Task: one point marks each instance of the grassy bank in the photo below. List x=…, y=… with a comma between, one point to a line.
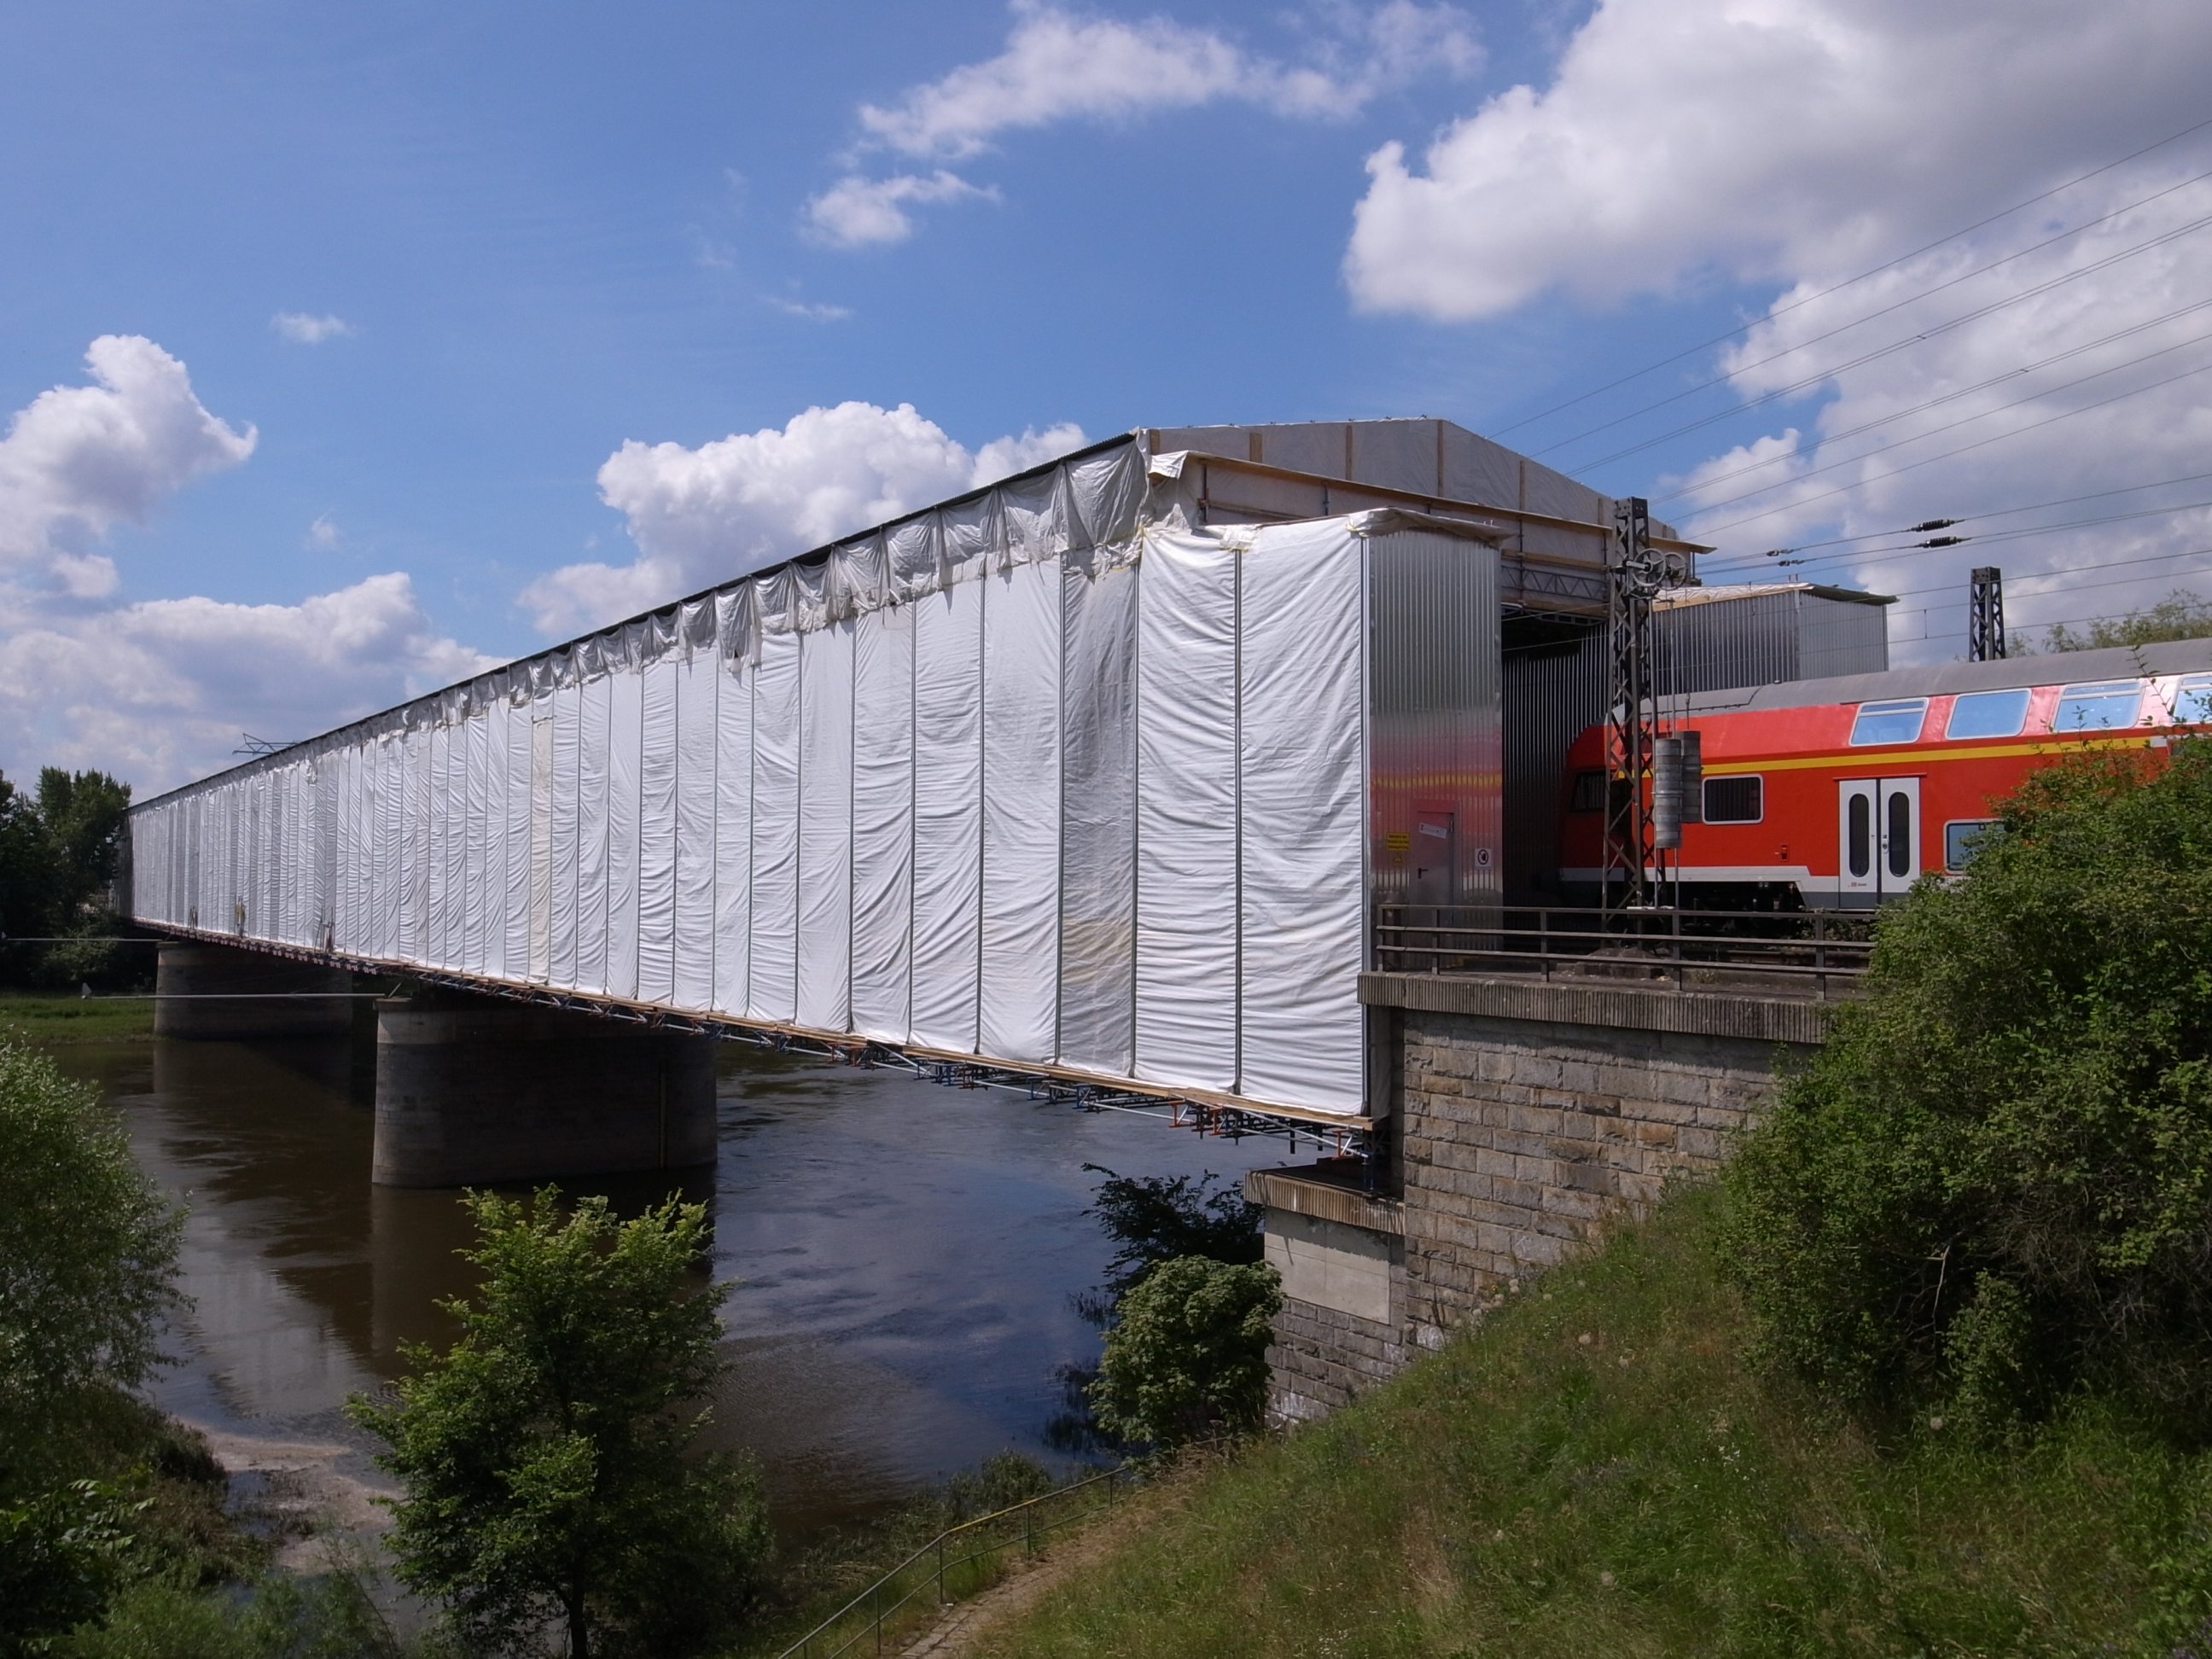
x=1596, y=1471
x=53, y=1021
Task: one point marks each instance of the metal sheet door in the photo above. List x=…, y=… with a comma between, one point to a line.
x=1436, y=865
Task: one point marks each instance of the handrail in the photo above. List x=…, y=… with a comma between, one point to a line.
x=1439, y=938
x=804, y=1648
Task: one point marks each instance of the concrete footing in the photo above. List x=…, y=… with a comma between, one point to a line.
x=219, y=993
x=472, y=1090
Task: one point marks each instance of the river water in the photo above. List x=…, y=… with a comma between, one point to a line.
x=903, y=1256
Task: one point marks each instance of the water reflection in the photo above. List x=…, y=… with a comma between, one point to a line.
x=902, y=1255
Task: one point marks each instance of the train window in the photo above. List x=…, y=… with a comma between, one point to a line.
x=2192, y=700
x=1589, y=792
x=1734, y=800
x=1888, y=722
x=1963, y=838
x=1898, y=839
x=2102, y=703
x=1988, y=714
x=1860, y=818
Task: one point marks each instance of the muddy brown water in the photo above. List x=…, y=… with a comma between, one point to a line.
x=902, y=1256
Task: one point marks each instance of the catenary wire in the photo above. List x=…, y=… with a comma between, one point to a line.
x=1828, y=438
x=1850, y=282
x=1905, y=549
x=1914, y=299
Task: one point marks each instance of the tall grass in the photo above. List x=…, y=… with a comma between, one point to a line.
x=1594, y=1471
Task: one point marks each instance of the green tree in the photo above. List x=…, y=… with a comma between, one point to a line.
x=28, y=882
x=88, y=1245
x=1156, y=1218
x=545, y=1454
x=1188, y=1358
x=83, y=815
x=2179, y=615
x=1994, y=1184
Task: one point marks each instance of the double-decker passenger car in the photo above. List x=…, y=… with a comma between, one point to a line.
x=1842, y=792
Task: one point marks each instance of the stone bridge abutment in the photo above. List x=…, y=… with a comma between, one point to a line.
x=1527, y=1116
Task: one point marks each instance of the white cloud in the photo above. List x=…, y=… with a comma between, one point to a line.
x=161, y=690
x=704, y=515
x=858, y=212
x=1059, y=66
x=323, y=535
x=2091, y=385
x=304, y=328
x=84, y=575
x=79, y=460
x=1764, y=138
x=812, y=311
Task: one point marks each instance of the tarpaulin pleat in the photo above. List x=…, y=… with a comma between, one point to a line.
x=443, y=827
x=733, y=839
x=948, y=814
x=825, y=828
x=565, y=794
x=1186, y=814
x=692, y=940
x=544, y=771
x=522, y=842
x=656, y=835
x=1098, y=838
x=625, y=782
x=480, y=887
x=594, y=803
x=1020, y=957
x=1303, y=791
x=883, y=823
x=774, y=992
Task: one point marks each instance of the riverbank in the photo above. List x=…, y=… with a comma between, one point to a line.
x=49, y=1021
x=1597, y=1470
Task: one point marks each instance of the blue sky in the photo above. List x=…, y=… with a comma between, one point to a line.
x=442, y=264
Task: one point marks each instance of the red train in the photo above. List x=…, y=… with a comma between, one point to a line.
x=1842, y=792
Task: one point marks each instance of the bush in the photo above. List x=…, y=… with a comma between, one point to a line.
x=87, y=1246
x=1188, y=1358
x=544, y=1454
x=1994, y=1185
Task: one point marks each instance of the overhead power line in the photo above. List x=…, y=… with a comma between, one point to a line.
x=1963, y=449
x=1852, y=282
x=1915, y=298
x=1828, y=438
x=1785, y=557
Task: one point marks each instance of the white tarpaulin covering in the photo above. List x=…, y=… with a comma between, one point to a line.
x=1025, y=778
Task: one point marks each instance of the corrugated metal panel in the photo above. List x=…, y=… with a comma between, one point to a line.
x=1551, y=693
x=1837, y=636
x=1433, y=732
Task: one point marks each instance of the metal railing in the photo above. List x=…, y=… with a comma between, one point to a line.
x=956, y=1563
x=1811, y=949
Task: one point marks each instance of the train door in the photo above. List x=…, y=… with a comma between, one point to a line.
x=1435, y=859
x=1877, y=838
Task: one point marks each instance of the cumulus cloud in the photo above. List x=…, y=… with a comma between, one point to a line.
x=858, y=211
x=323, y=535
x=79, y=460
x=1761, y=139
x=704, y=515
x=304, y=328
x=1060, y=65
x=159, y=691
x=2081, y=369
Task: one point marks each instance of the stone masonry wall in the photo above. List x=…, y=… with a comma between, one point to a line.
x=1527, y=1116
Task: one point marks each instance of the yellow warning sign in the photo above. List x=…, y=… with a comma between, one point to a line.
x=1397, y=839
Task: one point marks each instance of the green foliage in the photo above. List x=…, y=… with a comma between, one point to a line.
x=2179, y=615
x=57, y=857
x=63, y=1551
x=1187, y=1360
x=1156, y=1218
x=86, y=1247
x=1994, y=1185
x=1593, y=1469
x=276, y=1617
x=544, y=1454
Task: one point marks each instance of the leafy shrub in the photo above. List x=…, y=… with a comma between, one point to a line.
x=545, y=1454
x=1188, y=1358
x=1994, y=1184
x=87, y=1246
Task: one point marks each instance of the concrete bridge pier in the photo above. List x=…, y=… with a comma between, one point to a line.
x=219, y=993
x=473, y=1089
